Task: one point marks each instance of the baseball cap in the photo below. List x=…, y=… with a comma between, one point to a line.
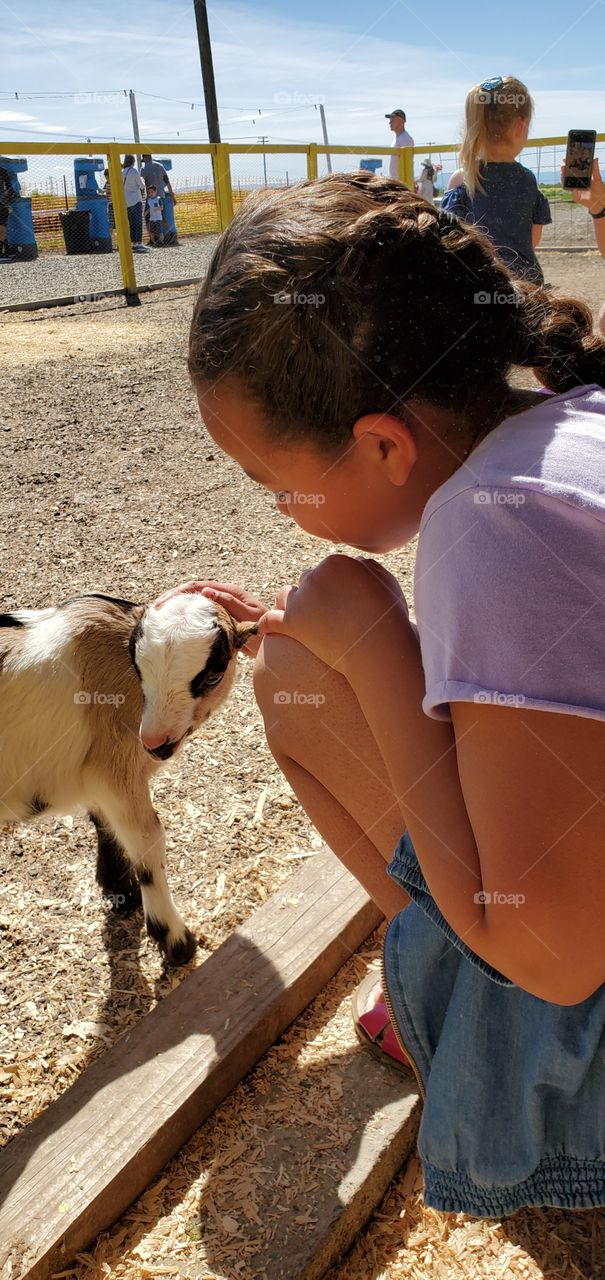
x=397, y=112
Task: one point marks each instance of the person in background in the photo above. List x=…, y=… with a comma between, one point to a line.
x=155, y=175
x=501, y=196
x=396, y=121
x=594, y=201
x=155, y=205
x=134, y=191
x=6, y=195
x=425, y=186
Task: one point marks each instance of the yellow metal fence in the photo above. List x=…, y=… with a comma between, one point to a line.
x=220, y=196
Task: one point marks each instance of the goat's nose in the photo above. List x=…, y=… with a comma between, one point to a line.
x=151, y=741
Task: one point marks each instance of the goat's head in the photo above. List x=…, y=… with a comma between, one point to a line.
x=184, y=654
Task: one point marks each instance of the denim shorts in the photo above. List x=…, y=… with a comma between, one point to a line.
x=514, y=1086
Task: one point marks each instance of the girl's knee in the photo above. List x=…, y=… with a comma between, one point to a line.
x=289, y=684
x=281, y=665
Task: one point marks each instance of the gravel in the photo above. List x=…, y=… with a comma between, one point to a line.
x=84, y=276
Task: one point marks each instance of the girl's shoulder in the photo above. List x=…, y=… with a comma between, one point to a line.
x=553, y=450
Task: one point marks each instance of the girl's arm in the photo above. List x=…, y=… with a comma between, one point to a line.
x=505, y=811
x=536, y=234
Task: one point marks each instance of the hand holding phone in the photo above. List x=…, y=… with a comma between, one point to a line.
x=578, y=159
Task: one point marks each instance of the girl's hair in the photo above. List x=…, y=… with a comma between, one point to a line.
x=351, y=295
x=489, y=116
x=127, y=162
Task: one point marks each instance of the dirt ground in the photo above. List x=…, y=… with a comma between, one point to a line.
x=111, y=484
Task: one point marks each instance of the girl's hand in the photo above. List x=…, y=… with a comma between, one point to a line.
x=594, y=198
x=334, y=606
x=241, y=604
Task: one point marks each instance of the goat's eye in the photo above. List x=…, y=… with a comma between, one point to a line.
x=204, y=680
x=210, y=681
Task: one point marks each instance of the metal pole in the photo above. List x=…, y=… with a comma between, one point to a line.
x=135, y=118
x=324, y=129
x=264, y=138
x=203, y=37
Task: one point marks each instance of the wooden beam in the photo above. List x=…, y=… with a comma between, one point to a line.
x=79, y=1165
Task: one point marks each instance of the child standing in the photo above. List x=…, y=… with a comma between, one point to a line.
x=155, y=207
x=497, y=193
x=456, y=766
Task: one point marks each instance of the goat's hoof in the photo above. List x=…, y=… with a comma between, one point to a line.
x=176, y=950
x=182, y=950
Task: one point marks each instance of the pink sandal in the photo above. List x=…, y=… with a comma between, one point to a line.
x=373, y=1024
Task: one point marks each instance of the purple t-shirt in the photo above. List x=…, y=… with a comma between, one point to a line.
x=509, y=589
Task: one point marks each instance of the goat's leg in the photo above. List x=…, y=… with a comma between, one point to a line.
x=137, y=828
x=115, y=874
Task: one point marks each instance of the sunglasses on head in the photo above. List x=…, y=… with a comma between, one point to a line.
x=495, y=82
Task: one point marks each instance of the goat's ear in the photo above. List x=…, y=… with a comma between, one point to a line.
x=242, y=632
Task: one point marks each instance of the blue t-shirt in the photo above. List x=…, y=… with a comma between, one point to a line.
x=511, y=205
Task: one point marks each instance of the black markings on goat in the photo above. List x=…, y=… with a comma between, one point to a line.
x=9, y=620
x=218, y=660
x=135, y=636
x=37, y=805
x=126, y=605
x=145, y=875
x=156, y=930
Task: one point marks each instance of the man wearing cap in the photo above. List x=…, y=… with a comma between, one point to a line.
x=396, y=121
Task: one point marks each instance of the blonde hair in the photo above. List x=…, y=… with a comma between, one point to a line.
x=489, y=117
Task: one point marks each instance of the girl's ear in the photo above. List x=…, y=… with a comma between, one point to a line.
x=387, y=441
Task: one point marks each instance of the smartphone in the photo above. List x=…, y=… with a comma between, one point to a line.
x=579, y=157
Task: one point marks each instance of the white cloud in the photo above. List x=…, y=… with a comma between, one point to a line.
x=6, y=116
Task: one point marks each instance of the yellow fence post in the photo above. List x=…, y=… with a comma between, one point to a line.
x=405, y=166
x=223, y=190
x=118, y=200
x=312, y=162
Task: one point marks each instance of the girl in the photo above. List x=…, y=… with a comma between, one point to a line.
x=479, y=734
x=495, y=192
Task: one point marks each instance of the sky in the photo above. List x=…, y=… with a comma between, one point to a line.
x=276, y=60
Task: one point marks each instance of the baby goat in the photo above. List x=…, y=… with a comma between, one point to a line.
x=94, y=694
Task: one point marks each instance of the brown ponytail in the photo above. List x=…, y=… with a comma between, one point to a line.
x=352, y=295
x=557, y=340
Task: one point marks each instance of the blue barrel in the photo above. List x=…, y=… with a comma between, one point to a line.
x=371, y=165
x=89, y=199
x=20, y=235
